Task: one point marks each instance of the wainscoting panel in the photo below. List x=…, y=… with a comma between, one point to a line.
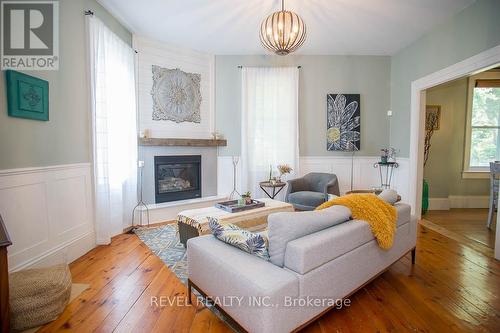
x=48, y=214
x=364, y=175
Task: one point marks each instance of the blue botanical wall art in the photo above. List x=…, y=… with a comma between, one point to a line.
x=343, y=122
x=27, y=96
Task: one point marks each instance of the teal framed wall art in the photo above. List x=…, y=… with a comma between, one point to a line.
x=27, y=96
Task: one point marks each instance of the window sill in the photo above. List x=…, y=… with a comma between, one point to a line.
x=475, y=174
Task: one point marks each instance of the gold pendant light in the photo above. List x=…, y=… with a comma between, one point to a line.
x=282, y=32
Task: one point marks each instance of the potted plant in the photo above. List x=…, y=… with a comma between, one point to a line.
x=283, y=169
x=247, y=198
x=384, y=154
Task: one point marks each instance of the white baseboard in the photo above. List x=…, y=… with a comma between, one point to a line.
x=439, y=204
x=459, y=201
x=48, y=212
x=472, y=201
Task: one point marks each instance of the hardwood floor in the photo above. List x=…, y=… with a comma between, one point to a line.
x=452, y=288
x=467, y=222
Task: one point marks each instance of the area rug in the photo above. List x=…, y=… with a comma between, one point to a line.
x=164, y=242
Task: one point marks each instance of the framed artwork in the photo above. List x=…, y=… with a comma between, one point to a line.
x=432, y=117
x=27, y=96
x=343, y=113
x=176, y=95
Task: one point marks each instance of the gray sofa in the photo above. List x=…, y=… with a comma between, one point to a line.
x=310, y=191
x=319, y=255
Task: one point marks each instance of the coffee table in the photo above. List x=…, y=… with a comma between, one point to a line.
x=194, y=222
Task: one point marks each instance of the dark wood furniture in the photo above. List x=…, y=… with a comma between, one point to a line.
x=277, y=187
x=4, y=278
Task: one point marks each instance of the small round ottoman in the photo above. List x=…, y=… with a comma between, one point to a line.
x=38, y=296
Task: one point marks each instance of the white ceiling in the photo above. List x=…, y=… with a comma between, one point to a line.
x=376, y=27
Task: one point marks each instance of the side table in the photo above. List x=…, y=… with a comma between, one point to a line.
x=276, y=188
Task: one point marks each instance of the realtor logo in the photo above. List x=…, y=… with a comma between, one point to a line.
x=30, y=35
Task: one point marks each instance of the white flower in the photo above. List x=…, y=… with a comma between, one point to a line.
x=341, y=123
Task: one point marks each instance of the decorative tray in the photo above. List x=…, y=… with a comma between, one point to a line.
x=232, y=206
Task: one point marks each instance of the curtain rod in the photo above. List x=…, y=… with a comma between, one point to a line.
x=240, y=66
x=88, y=12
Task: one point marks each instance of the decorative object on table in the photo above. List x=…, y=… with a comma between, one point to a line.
x=383, y=155
x=432, y=123
x=247, y=198
x=27, y=96
x=176, y=95
x=283, y=169
x=312, y=190
x=343, y=122
x=234, y=193
x=140, y=205
x=270, y=172
x=275, y=185
x=286, y=25
x=233, y=206
x=385, y=181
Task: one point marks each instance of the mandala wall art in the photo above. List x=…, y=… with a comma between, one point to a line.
x=176, y=95
x=343, y=122
x=27, y=96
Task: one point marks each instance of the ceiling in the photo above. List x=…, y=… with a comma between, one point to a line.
x=375, y=27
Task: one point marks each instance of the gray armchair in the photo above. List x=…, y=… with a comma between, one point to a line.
x=312, y=190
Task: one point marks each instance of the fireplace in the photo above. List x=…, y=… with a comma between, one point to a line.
x=177, y=177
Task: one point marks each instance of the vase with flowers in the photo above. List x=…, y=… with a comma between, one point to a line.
x=283, y=170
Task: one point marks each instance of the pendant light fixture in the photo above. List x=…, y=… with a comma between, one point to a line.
x=282, y=32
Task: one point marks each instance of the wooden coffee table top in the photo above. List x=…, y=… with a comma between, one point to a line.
x=198, y=218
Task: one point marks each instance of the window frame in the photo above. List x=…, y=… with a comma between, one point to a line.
x=474, y=172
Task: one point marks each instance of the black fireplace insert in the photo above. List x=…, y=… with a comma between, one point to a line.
x=177, y=177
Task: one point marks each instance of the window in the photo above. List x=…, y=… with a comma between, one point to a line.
x=483, y=119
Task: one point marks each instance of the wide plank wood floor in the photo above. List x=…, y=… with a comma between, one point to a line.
x=452, y=288
x=467, y=222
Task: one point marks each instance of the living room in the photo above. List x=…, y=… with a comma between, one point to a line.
x=157, y=155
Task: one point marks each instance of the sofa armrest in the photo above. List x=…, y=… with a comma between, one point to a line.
x=223, y=271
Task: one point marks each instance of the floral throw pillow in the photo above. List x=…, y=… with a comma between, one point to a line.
x=245, y=240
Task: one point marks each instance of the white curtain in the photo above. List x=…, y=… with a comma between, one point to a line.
x=114, y=132
x=269, y=124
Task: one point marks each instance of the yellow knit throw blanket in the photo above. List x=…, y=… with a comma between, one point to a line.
x=380, y=215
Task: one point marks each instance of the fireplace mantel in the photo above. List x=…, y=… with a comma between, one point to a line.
x=182, y=142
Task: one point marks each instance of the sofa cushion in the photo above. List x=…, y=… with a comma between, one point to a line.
x=306, y=198
x=253, y=243
x=284, y=227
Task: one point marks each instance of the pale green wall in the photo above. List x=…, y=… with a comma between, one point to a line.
x=65, y=138
x=475, y=29
x=319, y=75
x=444, y=166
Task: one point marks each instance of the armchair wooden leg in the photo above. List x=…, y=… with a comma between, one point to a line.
x=413, y=255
